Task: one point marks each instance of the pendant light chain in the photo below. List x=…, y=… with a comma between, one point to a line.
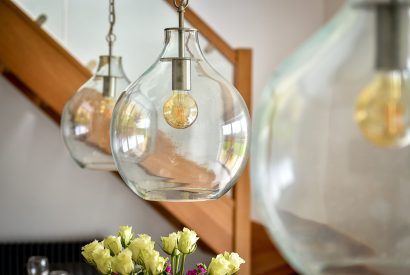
x=110, y=36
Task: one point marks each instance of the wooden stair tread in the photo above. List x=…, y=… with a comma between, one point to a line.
x=266, y=259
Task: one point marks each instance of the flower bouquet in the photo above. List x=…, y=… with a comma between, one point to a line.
x=127, y=254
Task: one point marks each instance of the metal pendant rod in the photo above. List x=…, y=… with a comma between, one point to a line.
x=109, y=81
x=181, y=66
x=181, y=24
x=392, y=20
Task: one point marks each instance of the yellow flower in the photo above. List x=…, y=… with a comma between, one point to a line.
x=169, y=244
x=153, y=262
x=103, y=261
x=122, y=263
x=187, y=241
x=219, y=266
x=114, y=244
x=234, y=261
x=139, y=244
x=87, y=250
x=125, y=233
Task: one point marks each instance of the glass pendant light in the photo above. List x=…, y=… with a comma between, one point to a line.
x=330, y=163
x=86, y=118
x=181, y=131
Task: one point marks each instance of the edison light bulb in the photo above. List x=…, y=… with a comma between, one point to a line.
x=180, y=110
x=382, y=109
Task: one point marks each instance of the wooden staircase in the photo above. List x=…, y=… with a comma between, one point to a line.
x=49, y=75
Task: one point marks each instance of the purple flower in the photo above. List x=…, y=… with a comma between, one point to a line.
x=168, y=268
x=201, y=268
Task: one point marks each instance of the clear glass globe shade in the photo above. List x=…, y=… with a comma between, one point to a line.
x=86, y=119
x=334, y=200
x=201, y=158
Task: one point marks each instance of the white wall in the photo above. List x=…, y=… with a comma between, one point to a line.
x=268, y=27
x=45, y=196
x=272, y=28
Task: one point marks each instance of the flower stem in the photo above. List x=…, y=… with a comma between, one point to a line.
x=173, y=264
x=177, y=271
x=183, y=264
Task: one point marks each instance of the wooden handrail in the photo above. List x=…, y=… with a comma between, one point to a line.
x=209, y=34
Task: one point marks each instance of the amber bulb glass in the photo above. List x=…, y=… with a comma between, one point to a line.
x=180, y=110
x=382, y=110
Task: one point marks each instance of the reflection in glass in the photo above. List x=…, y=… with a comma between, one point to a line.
x=87, y=116
x=196, y=160
x=37, y=265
